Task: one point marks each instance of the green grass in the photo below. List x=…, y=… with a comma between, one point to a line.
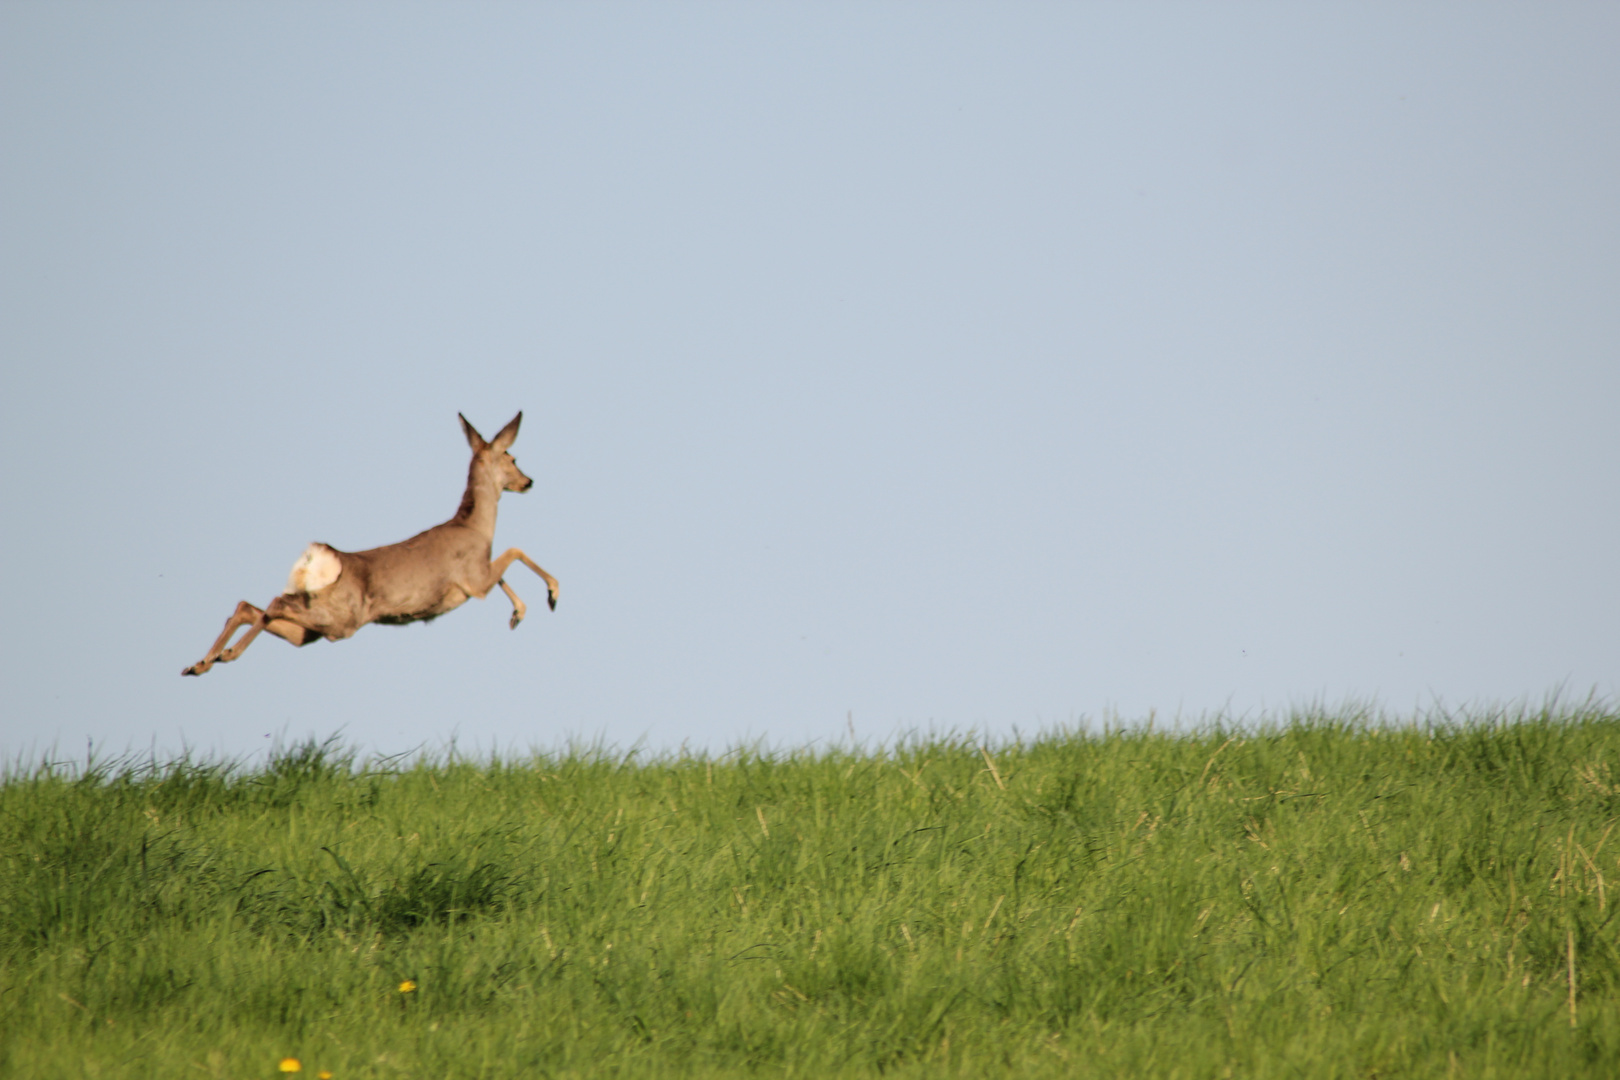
x=1327, y=897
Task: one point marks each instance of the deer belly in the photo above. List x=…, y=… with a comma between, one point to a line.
x=426, y=611
x=452, y=599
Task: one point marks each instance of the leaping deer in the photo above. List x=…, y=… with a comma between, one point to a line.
x=331, y=593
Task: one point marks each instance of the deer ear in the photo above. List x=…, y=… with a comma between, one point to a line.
x=504, y=438
x=474, y=440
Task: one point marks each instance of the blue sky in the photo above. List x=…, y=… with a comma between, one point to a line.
x=892, y=366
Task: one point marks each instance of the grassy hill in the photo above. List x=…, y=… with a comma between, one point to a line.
x=1325, y=897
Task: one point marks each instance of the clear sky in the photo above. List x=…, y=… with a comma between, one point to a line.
x=895, y=366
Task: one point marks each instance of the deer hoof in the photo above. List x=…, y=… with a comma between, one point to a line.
x=195, y=669
x=516, y=618
x=551, y=601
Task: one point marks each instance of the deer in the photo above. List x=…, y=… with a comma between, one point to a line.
x=331, y=594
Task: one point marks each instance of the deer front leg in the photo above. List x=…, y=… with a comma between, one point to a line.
x=519, y=608
x=498, y=568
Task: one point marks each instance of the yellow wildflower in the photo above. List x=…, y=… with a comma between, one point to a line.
x=408, y=986
x=324, y=1074
x=291, y=1065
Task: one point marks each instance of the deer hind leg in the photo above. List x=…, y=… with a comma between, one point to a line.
x=244, y=615
x=256, y=620
x=498, y=568
x=285, y=629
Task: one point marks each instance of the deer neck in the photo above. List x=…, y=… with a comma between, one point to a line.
x=479, y=501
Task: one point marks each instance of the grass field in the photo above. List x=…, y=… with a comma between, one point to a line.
x=1325, y=897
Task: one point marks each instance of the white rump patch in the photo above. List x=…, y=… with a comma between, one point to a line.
x=315, y=569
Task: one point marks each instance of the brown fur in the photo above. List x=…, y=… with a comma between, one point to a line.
x=414, y=580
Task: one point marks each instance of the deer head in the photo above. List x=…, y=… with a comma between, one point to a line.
x=493, y=458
